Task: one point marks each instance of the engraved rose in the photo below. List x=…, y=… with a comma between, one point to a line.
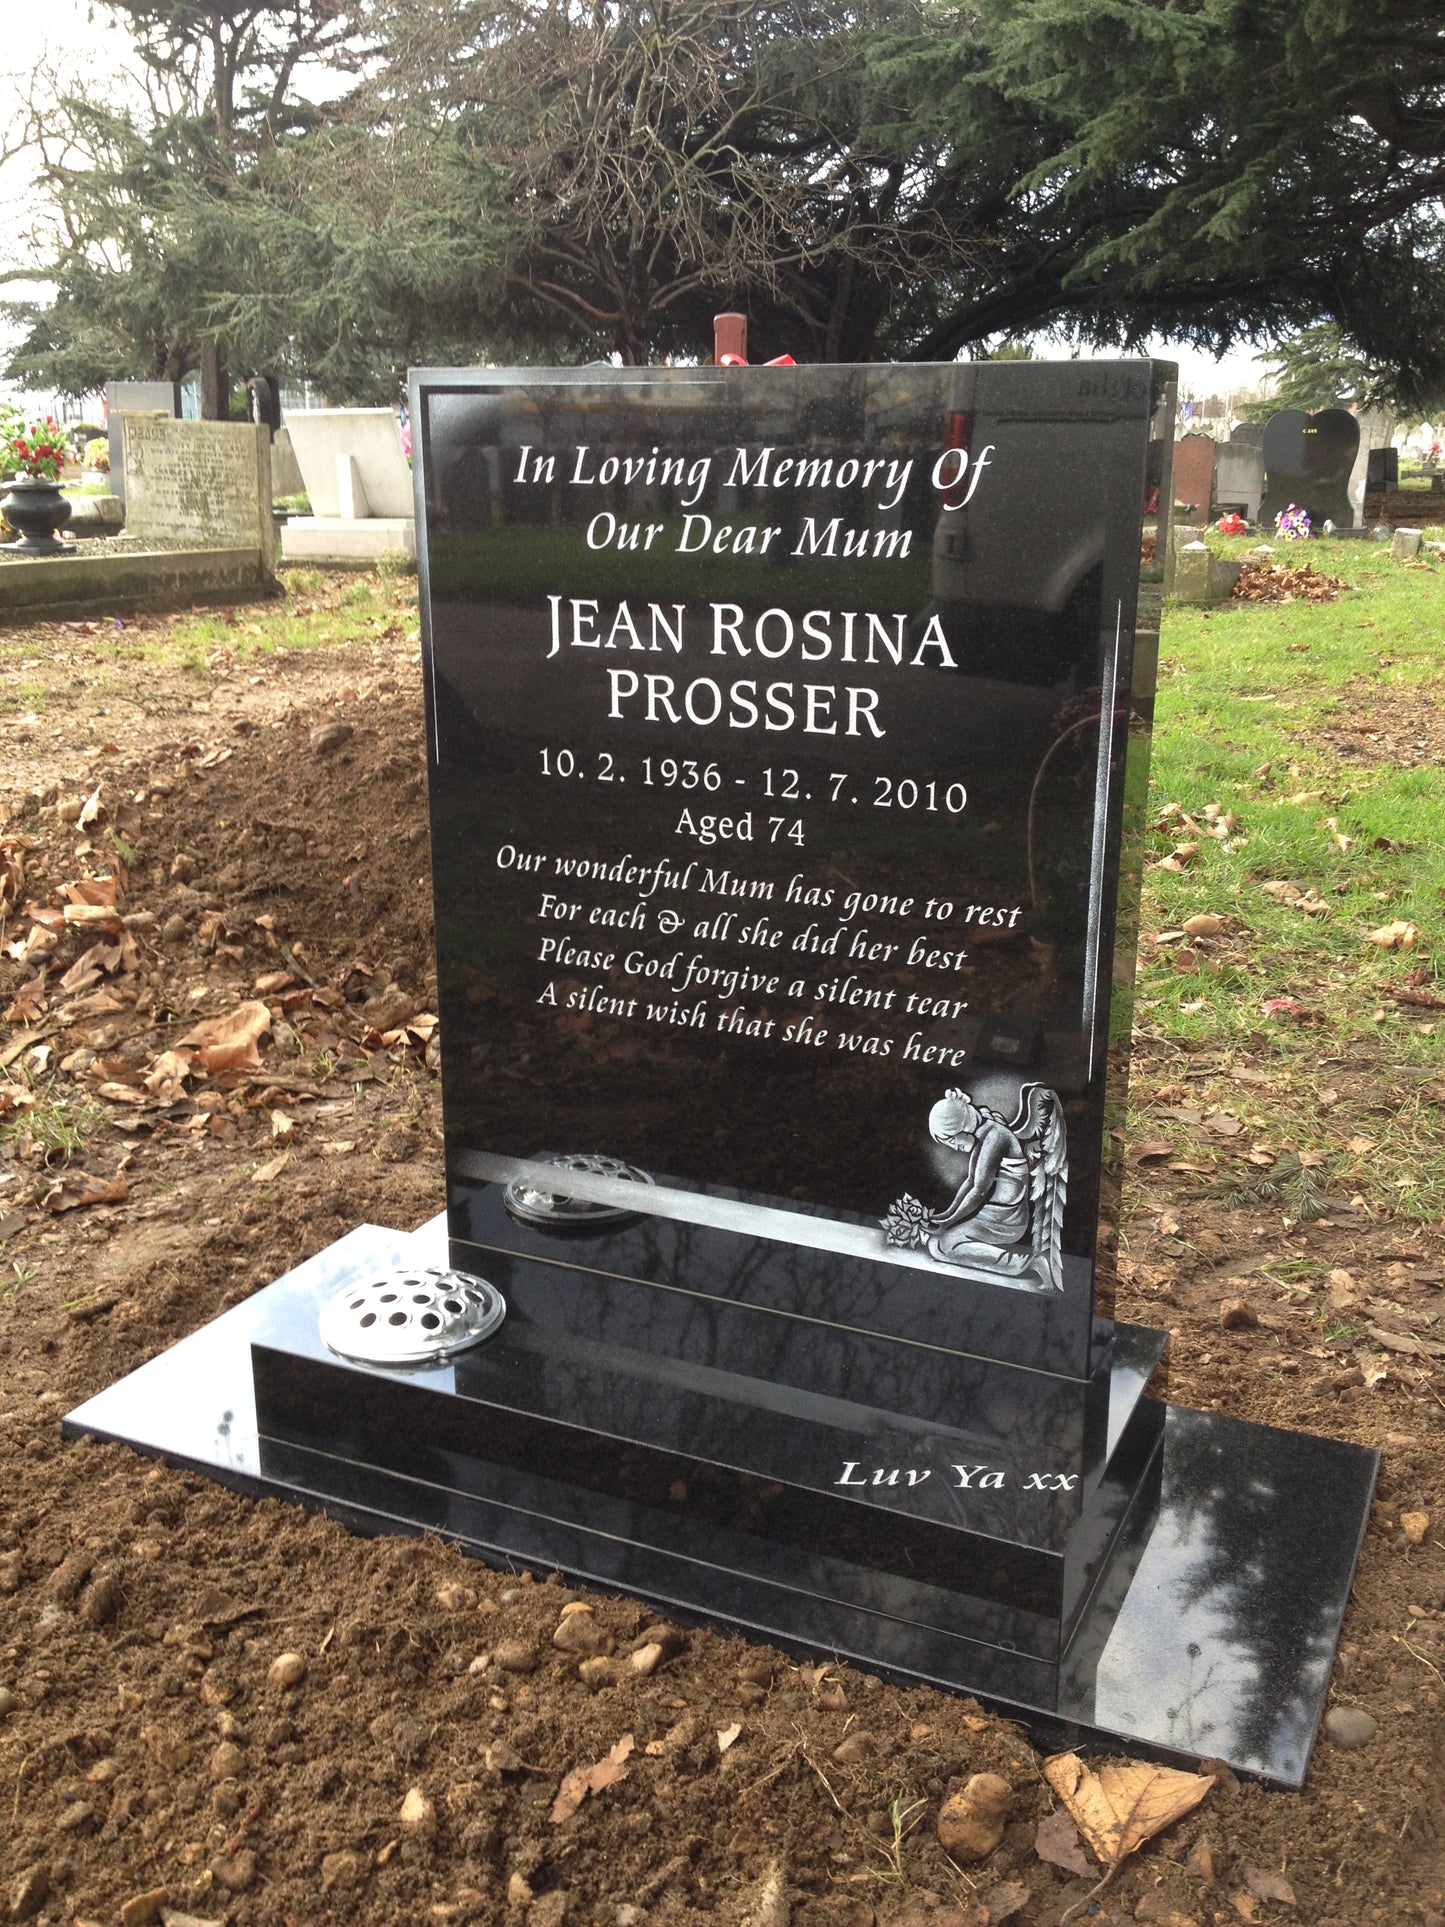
x=907, y=1222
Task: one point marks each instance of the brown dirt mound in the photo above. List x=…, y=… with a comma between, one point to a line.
x=144, y=1745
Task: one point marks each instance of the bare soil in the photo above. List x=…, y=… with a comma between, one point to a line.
x=151, y=1762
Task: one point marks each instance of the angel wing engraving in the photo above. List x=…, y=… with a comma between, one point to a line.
x=1005, y=1219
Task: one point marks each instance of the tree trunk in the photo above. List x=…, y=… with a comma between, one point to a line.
x=215, y=386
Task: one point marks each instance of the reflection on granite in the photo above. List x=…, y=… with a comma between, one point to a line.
x=1199, y=1616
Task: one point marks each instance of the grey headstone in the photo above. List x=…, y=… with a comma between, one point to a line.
x=135, y=398
x=1405, y=545
x=202, y=481
x=1239, y=477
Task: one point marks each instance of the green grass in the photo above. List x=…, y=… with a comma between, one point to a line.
x=314, y=611
x=1318, y=667
x=56, y=1125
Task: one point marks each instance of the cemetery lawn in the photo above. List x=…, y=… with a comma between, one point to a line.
x=260, y=772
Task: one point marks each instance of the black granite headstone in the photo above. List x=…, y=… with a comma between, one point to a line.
x=1308, y=460
x=788, y=734
x=1382, y=471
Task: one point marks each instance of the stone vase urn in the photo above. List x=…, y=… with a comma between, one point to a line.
x=34, y=506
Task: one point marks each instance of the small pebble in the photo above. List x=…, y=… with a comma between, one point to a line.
x=228, y=1762
x=101, y=1599
x=1237, y=1314
x=343, y=1870
x=417, y=1812
x=234, y=1871
x=514, y=1656
x=286, y=1670
x=580, y=1633
x=1415, y=1525
x=30, y=1893
x=971, y=1823
x=453, y=1598
x=1350, y=1727
x=330, y=736
x=141, y=1908
x=518, y=1892
x=8, y=1702
x=857, y=1748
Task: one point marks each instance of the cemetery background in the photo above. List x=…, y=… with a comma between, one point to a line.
x=272, y=800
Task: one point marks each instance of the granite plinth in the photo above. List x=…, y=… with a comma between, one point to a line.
x=1183, y=1597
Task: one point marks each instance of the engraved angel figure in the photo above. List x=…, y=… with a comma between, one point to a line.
x=1005, y=1217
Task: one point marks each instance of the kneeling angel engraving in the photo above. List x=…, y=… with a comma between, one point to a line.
x=1004, y=1220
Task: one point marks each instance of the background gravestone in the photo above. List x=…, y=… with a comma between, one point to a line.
x=359, y=484
x=371, y=440
x=1308, y=460
x=135, y=397
x=1239, y=476
x=1194, y=476
x=200, y=482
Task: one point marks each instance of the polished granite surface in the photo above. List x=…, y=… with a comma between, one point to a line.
x=787, y=743
x=1210, y=1630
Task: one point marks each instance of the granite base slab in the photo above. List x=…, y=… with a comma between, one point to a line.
x=1209, y=1629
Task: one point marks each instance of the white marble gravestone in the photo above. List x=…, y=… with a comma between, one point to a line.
x=359, y=482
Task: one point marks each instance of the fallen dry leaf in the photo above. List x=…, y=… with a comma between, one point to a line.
x=1002, y=1902
x=86, y=1190
x=1154, y=1147
x=1395, y=935
x=240, y=1026
x=583, y=1780
x=1120, y=1807
x=272, y=1168
x=1276, y=582
x=1057, y=1842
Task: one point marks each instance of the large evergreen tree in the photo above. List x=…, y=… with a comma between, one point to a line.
x=909, y=178
x=147, y=226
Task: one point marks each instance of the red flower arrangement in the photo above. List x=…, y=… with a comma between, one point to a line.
x=35, y=448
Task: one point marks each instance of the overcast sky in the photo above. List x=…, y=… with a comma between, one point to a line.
x=93, y=51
